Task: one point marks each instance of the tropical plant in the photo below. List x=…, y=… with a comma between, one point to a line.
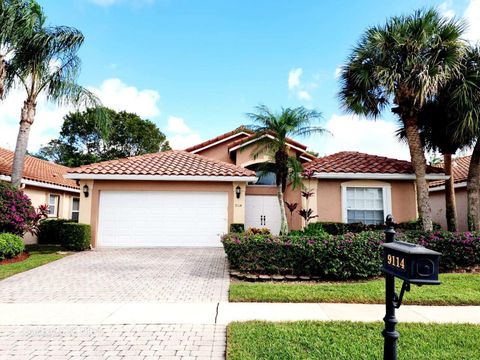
x=403, y=64
x=307, y=215
x=46, y=63
x=291, y=207
x=272, y=131
x=18, y=19
x=448, y=122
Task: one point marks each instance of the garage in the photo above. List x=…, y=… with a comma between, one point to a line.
x=161, y=218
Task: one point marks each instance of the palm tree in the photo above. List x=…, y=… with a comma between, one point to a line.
x=46, y=63
x=403, y=63
x=449, y=121
x=287, y=123
x=18, y=19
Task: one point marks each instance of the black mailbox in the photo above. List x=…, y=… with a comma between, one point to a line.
x=413, y=263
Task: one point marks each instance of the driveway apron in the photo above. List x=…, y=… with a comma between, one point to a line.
x=142, y=282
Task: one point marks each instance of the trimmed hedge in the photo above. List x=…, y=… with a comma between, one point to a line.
x=338, y=228
x=75, y=236
x=49, y=231
x=341, y=257
x=11, y=245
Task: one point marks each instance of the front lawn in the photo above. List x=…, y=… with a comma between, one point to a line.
x=39, y=255
x=348, y=340
x=456, y=289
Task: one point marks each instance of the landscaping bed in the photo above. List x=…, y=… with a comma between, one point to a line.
x=456, y=289
x=38, y=255
x=348, y=340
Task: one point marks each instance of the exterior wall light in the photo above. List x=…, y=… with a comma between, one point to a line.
x=85, y=190
x=238, y=191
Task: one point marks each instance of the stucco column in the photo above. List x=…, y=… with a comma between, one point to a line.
x=239, y=204
x=85, y=214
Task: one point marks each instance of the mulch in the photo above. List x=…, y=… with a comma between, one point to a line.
x=23, y=256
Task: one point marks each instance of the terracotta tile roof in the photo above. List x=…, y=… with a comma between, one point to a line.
x=218, y=138
x=168, y=163
x=356, y=162
x=460, y=167
x=244, y=140
x=37, y=170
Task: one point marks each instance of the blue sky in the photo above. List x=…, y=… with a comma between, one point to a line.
x=196, y=67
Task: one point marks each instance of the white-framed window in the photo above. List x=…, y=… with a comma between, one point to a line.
x=365, y=204
x=75, y=208
x=53, y=202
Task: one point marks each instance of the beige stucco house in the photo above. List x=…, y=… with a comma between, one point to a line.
x=44, y=183
x=460, y=167
x=191, y=197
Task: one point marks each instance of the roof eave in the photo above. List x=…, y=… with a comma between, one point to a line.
x=375, y=176
x=160, y=177
x=42, y=184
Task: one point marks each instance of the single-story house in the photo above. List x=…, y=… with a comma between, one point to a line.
x=44, y=183
x=189, y=198
x=460, y=167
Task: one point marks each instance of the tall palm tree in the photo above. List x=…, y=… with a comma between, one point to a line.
x=18, y=19
x=403, y=63
x=450, y=121
x=46, y=63
x=287, y=123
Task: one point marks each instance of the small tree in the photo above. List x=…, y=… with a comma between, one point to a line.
x=272, y=131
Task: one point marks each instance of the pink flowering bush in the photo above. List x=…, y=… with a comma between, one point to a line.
x=17, y=215
x=341, y=257
x=349, y=256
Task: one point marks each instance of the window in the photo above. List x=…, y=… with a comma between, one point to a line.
x=75, y=208
x=368, y=205
x=53, y=201
x=264, y=177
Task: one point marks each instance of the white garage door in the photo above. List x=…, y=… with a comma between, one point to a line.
x=161, y=218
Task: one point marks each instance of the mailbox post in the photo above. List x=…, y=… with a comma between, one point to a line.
x=414, y=264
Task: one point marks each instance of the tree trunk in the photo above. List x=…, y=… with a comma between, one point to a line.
x=417, y=155
x=283, y=214
x=27, y=118
x=3, y=75
x=450, y=206
x=473, y=189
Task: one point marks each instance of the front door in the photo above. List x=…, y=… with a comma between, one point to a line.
x=262, y=212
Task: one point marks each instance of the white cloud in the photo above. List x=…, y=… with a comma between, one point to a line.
x=294, y=78
x=118, y=96
x=446, y=9
x=352, y=133
x=296, y=86
x=337, y=72
x=472, y=15
x=177, y=125
x=49, y=117
x=179, y=134
x=304, y=95
x=48, y=120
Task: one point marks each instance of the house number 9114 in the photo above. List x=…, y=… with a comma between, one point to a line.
x=396, y=261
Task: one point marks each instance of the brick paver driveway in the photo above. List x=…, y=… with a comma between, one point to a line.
x=125, y=275
x=158, y=275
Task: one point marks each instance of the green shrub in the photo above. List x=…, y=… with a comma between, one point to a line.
x=10, y=245
x=75, y=236
x=257, y=231
x=338, y=228
x=237, y=228
x=459, y=250
x=49, y=231
x=341, y=257
x=349, y=256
